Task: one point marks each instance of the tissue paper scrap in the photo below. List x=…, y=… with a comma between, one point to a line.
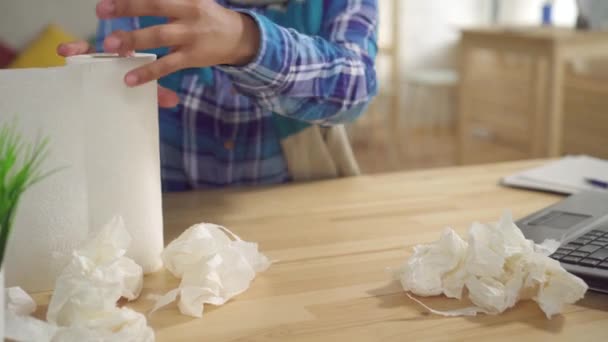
x=83, y=306
x=18, y=325
x=98, y=275
x=214, y=265
x=19, y=302
x=496, y=268
x=117, y=325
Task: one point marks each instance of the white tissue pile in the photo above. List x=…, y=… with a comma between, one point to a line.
x=214, y=265
x=83, y=305
x=496, y=268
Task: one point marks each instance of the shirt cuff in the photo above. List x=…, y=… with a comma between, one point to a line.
x=267, y=73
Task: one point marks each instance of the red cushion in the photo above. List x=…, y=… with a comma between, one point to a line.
x=7, y=54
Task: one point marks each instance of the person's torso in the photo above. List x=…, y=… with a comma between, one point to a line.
x=217, y=137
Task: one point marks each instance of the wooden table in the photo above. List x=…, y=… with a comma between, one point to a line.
x=513, y=107
x=333, y=241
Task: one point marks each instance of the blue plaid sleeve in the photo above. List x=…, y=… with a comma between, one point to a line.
x=106, y=27
x=326, y=79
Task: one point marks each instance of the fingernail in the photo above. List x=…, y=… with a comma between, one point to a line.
x=113, y=43
x=131, y=80
x=107, y=6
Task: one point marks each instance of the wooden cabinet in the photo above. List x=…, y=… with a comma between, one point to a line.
x=514, y=98
x=585, y=115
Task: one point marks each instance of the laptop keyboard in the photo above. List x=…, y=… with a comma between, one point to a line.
x=590, y=250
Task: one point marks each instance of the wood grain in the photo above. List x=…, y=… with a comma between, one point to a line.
x=333, y=241
x=517, y=75
x=585, y=117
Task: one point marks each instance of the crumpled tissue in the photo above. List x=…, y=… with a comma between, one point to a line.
x=116, y=325
x=496, y=268
x=214, y=265
x=19, y=302
x=19, y=326
x=83, y=306
x=98, y=275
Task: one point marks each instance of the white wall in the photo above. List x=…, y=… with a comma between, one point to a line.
x=21, y=20
x=528, y=12
x=431, y=29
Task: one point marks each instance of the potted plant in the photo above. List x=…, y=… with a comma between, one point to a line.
x=20, y=168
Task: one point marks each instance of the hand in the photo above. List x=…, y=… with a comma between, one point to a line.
x=200, y=33
x=166, y=97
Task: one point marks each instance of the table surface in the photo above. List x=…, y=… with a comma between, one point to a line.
x=333, y=241
x=540, y=33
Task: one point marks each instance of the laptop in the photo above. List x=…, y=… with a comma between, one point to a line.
x=580, y=223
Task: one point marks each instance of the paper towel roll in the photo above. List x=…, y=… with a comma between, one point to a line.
x=122, y=151
x=52, y=217
x=104, y=136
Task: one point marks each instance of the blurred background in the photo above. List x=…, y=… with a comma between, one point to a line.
x=462, y=82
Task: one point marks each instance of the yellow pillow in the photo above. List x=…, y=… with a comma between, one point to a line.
x=42, y=52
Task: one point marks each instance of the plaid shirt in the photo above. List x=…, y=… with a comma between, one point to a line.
x=223, y=134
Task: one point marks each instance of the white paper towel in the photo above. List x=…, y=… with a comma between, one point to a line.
x=105, y=137
x=53, y=215
x=122, y=153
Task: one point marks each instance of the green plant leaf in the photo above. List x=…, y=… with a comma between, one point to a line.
x=20, y=168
